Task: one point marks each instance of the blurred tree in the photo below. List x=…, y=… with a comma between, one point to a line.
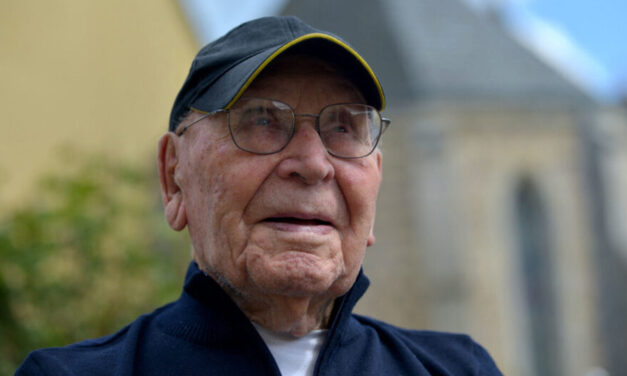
x=85, y=256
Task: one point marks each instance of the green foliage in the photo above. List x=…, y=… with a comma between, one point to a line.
x=89, y=253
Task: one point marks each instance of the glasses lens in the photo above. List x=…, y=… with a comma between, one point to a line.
x=261, y=126
x=350, y=130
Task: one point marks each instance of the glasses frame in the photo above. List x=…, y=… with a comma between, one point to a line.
x=385, y=123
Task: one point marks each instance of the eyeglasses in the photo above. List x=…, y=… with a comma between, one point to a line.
x=266, y=126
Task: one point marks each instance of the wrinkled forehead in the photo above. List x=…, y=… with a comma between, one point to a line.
x=286, y=67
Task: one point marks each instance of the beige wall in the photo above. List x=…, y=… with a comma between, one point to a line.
x=500, y=150
x=611, y=131
x=447, y=257
x=99, y=75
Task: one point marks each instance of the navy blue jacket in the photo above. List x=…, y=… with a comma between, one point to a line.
x=205, y=333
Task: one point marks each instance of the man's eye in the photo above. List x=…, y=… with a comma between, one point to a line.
x=342, y=128
x=258, y=117
x=263, y=121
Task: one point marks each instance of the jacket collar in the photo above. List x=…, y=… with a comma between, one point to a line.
x=204, y=303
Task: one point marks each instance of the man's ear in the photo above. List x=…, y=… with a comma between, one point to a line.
x=379, y=161
x=171, y=194
x=371, y=238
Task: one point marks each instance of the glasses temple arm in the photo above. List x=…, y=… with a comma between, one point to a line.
x=385, y=122
x=204, y=116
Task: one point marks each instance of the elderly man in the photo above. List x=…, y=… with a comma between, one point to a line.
x=271, y=162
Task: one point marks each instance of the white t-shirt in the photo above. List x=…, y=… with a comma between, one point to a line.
x=294, y=356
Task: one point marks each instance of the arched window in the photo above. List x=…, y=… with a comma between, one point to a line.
x=536, y=264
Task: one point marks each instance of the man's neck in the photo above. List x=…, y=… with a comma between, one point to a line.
x=295, y=316
x=288, y=315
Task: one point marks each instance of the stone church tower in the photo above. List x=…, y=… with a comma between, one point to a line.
x=488, y=217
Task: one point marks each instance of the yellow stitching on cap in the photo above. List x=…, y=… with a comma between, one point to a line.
x=199, y=111
x=296, y=41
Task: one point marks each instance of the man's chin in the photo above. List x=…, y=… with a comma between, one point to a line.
x=295, y=278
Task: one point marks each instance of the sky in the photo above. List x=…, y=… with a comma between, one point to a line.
x=583, y=39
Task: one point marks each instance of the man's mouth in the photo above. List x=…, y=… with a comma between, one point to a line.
x=299, y=221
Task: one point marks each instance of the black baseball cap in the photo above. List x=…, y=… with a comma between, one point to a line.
x=223, y=69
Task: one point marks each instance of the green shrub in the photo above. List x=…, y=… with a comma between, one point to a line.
x=86, y=255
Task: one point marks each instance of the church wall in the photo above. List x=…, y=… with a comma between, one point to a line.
x=611, y=137
x=446, y=210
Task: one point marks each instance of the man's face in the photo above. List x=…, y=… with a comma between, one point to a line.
x=295, y=223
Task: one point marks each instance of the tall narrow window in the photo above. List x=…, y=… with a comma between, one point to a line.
x=536, y=263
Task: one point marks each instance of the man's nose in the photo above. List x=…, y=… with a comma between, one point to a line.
x=306, y=157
